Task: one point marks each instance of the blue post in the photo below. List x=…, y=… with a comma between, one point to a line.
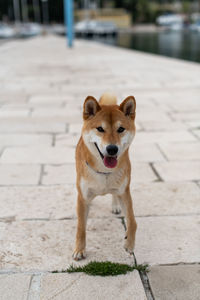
x=69, y=20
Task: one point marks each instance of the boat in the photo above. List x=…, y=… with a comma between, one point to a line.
x=29, y=30
x=6, y=31
x=93, y=27
x=171, y=22
x=195, y=26
x=58, y=29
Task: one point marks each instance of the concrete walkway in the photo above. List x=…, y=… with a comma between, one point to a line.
x=42, y=88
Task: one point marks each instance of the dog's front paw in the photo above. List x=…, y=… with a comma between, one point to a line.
x=78, y=254
x=129, y=246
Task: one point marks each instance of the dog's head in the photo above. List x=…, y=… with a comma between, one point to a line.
x=108, y=130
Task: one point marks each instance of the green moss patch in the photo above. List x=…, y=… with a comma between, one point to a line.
x=105, y=268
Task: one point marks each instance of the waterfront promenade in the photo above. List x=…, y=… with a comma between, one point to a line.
x=42, y=88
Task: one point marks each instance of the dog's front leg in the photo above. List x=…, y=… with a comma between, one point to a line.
x=126, y=203
x=82, y=213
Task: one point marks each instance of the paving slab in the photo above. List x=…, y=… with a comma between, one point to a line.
x=38, y=202
x=164, y=136
x=84, y=287
x=48, y=245
x=155, y=199
x=67, y=139
x=48, y=203
x=14, y=113
x=162, y=87
x=178, y=170
x=181, y=151
x=193, y=124
x=36, y=125
x=142, y=172
x=66, y=173
x=168, y=240
x=59, y=174
x=163, y=126
x=186, y=116
x=14, y=286
x=32, y=106
x=152, y=116
x=179, y=282
x=166, y=198
x=59, y=201
x=19, y=174
x=196, y=132
x=76, y=128
x=38, y=155
x=10, y=97
x=7, y=140
x=55, y=112
x=179, y=102
x=142, y=153
x=57, y=99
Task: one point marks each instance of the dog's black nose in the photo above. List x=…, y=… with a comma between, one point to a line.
x=112, y=149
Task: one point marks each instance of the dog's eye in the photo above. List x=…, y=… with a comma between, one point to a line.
x=120, y=129
x=100, y=129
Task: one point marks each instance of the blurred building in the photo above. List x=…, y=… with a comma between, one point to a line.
x=119, y=11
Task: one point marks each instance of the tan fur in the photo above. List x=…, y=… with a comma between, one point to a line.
x=92, y=175
x=108, y=99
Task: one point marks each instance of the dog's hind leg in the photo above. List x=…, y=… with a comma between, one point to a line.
x=116, y=207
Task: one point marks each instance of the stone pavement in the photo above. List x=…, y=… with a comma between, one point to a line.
x=42, y=88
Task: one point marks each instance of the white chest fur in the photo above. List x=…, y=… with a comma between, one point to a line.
x=101, y=184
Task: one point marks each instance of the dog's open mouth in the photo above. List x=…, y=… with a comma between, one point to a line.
x=109, y=161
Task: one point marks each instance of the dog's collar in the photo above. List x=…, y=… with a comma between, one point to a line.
x=102, y=173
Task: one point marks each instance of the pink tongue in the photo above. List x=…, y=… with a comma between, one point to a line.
x=110, y=162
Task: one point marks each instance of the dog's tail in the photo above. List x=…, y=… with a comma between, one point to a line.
x=108, y=99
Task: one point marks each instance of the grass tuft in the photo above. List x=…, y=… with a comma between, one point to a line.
x=105, y=268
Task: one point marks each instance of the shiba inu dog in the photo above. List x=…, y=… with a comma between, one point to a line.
x=102, y=162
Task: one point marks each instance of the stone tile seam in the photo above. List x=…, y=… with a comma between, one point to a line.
x=41, y=175
x=28, y=97
x=141, y=127
x=151, y=164
x=168, y=106
x=43, y=272
x=66, y=130
x=44, y=184
x=66, y=288
x=2, y=150
x=162, y=152
x=63, y=131
x=181, y=263
x=8, y=220
x=31, y=112
x=29, y=287
x=53, y=142
x=171, y=215
x=197, y=183
x=29, y=134
x=35, y=285
x=193, y=134
x=169, y=114
x=143, y=276
x=147, y=287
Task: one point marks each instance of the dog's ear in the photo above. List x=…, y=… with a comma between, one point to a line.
x=90, y=107
x=128, y=107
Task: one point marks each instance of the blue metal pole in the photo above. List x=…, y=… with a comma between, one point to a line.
x=69, y=20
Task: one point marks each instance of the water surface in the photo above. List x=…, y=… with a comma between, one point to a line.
x=183, y=45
